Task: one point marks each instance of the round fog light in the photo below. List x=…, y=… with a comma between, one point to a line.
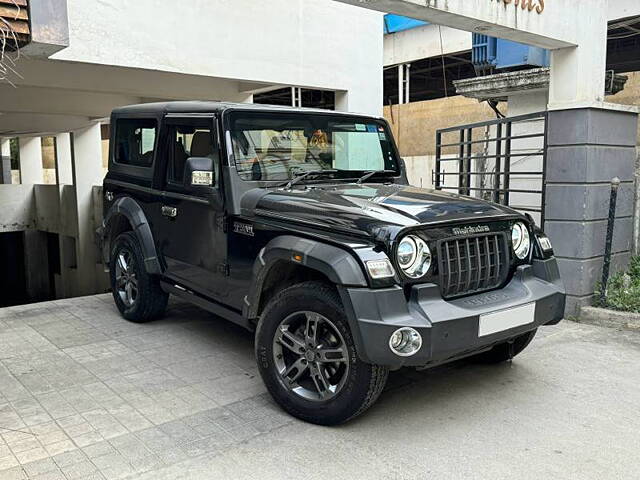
x=405, y=342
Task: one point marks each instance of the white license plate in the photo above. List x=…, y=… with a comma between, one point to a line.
x=505, y=319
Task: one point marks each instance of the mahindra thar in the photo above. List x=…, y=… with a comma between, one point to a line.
x=300, y=225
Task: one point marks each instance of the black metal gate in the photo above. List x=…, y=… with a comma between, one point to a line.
x=502, y=160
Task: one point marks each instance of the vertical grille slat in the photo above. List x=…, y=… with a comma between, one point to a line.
x=479, y=257
x=473, y=264
x=448, y=266
x=497, y=254
x=467, y=284
x=459, y=261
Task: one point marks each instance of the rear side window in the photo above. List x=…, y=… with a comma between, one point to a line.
x=135, y=142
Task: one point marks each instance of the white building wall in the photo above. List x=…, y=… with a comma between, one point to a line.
x=424, y=42
x=622, y=9
x=311, y=43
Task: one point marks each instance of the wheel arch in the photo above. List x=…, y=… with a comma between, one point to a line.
x=127, y=215
x=288, y=259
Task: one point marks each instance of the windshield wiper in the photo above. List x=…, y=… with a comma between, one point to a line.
x=302, y=175
x=371, y=173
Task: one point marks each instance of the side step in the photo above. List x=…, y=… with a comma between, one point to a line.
x=206, y=304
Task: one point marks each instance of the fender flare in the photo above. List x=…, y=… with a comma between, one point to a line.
x=338, y=265
x=129, y=208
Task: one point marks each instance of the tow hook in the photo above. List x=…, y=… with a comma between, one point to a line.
x=510, y=350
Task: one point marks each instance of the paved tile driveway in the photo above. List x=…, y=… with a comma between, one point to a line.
x=86, y=395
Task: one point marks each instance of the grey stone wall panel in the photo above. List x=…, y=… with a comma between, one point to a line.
x=587, y=239
x=586, y=201
x=580, y=276
x=592, y=126
x=590, y=163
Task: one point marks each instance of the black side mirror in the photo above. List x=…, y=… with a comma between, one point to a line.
x=199, y=175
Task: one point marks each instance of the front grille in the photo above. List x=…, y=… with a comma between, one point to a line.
x=473, y=264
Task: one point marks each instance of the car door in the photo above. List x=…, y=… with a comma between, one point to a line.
x=193, y=241
x=132, y=161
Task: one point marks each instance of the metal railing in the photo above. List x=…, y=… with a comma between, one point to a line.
x=501, y=160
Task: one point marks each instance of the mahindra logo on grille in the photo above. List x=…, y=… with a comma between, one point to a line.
x=470, y=230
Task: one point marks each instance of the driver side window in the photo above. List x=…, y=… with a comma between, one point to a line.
x=186, y=141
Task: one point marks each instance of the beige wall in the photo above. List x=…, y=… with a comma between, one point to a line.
x=414, y=124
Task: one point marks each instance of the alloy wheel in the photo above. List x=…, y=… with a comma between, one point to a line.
x=311, y=356
x=126, y=280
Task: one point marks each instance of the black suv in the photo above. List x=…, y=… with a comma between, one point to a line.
x=300, y=224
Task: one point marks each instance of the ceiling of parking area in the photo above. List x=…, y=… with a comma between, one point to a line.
x=55, y=96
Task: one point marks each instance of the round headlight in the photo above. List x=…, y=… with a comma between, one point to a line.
x=520, y=240
x=407, y=251
x=414, y=256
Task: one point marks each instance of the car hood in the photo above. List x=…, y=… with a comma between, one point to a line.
x=367, y=209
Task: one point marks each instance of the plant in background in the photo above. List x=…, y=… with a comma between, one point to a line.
x=623, y=290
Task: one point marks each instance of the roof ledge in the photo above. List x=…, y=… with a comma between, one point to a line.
x=501, y=85
x=49, y=28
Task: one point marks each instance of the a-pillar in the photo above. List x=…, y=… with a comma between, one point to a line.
x=587, y=147
x=87, y=172
x=31, y=171
x=5, y=161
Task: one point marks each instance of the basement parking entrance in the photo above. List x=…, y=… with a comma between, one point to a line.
x=502, y=161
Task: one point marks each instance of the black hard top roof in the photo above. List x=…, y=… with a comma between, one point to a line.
x=216, y=107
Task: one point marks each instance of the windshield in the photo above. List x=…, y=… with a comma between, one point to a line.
x=281, y=146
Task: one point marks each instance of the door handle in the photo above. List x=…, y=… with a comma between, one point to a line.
x=170, y=212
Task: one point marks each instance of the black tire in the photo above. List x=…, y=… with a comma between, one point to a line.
x=361, y=383
x=500, y=353
x=150, y=301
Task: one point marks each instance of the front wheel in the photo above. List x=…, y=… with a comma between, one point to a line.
x=307, y=358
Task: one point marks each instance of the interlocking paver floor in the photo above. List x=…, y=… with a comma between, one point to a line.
x=86, y=395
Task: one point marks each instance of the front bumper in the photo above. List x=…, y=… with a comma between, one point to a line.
x=449, y=329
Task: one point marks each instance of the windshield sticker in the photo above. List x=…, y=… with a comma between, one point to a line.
x=382, y=136
x=372, y=128
x=361, y=127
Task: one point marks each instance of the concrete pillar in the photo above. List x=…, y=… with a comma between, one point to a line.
x=365, y=99
x=65, y=282
x=5, y=160
x=36, y=266
x=524, y=103
x=400, y=84
x=87, y=172
x=577, y=73
x=31, y=170
x=342, y=101
x=587, y=147
x=64, y=168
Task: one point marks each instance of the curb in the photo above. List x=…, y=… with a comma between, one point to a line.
x=610, y=318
